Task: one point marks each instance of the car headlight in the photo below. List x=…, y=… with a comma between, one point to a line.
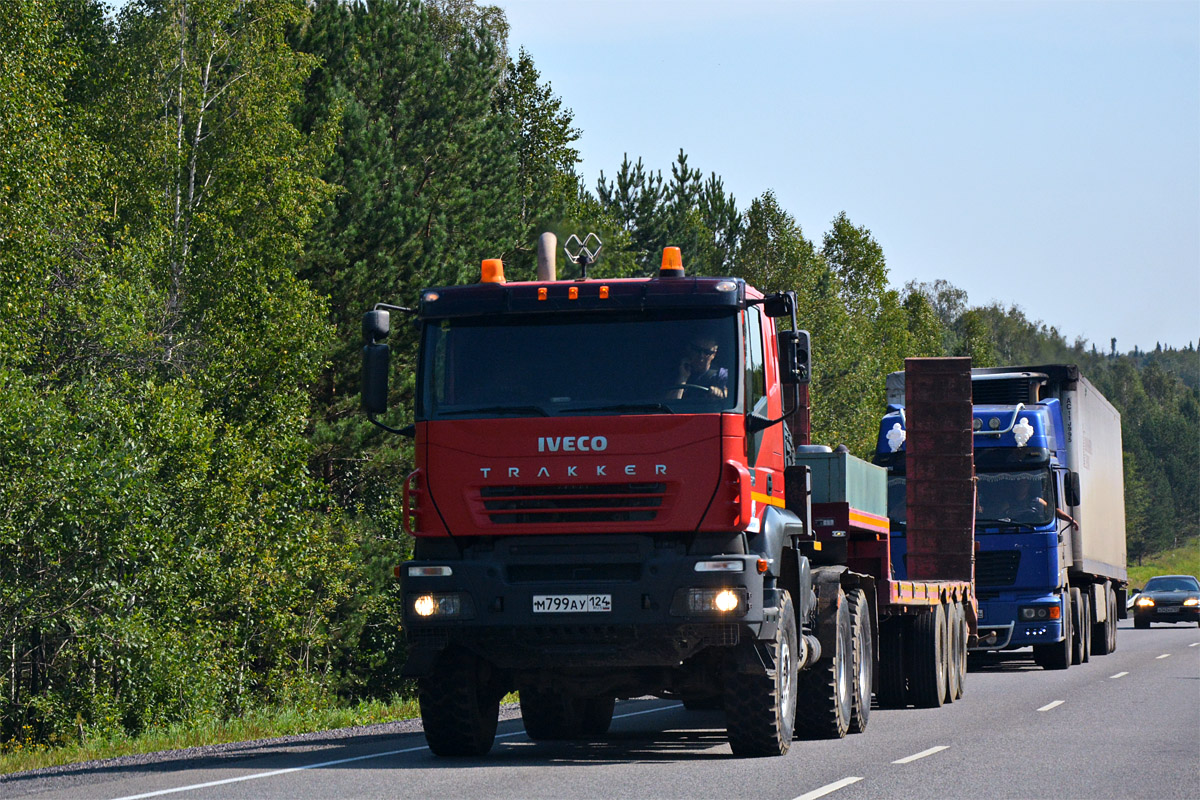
x=1144, y=602
x=1192, y=601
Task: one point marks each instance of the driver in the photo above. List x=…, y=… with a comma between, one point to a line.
x=695, y=373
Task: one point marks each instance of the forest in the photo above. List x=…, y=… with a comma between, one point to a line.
x=199, y=198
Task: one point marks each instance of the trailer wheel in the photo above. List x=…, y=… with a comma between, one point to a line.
x=824, y=706
x=955, y=639
x=864, y=661
x=1077, y=626
x=927, y=659
x=760, y=706
x=1112, y=619
x=893, y=691
x=459, y=707
x=961, y=664
x=1058, y=654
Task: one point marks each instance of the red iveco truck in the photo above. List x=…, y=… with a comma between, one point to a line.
x=607, y=502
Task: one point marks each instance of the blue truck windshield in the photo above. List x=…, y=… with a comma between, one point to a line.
x=561, y=365
x=1021, y=498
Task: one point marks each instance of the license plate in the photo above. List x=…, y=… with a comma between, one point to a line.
x=571, y=603
x=1168, y=610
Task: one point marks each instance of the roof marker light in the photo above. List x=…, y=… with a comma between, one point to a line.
x=542, y=293
x=603, y=292
x=573, y=293
x=492, y=271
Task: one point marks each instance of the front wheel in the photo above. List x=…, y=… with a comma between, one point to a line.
x=459, y=706
x=760, y=704
x=1058, y=654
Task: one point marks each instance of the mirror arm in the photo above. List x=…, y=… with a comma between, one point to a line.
x=408, y=430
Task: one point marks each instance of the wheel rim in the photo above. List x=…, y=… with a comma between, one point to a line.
x=787, y=688
x=843, y=672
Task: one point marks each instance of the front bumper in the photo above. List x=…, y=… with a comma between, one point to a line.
x=640, y=620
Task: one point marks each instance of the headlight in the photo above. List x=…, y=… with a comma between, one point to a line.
x=449, y=604
x=1144, y=602
x=1192, y=601
x=730, y=602
x=1035, y=613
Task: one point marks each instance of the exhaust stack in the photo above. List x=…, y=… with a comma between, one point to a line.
x=547, y=245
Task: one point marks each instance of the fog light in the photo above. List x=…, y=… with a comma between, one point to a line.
x=726, y=601
x=1031, y=613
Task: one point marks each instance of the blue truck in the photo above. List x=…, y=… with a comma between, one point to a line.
x=1050, y=567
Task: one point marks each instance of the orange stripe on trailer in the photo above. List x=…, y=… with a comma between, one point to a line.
x=871, y=522
x=767, y=499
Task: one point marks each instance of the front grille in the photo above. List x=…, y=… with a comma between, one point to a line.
x=570, y=503
x=998, y=568
x=557, y=573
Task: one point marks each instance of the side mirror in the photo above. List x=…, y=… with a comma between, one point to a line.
x=1071, y=484
x=778, y=305
x=795, y=363
x=376, y=325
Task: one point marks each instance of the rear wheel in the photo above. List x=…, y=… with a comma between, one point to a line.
x=927, y=659
x=864, y=661
x=1112, y=619
x=1058, y=654
x=1077, y=626
x=956, y=651
x=760, y=706
x=459, y=707
x=596, y=714
x=893, y=689
x=826, y=689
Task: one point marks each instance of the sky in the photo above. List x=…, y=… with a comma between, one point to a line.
x=1044, y=155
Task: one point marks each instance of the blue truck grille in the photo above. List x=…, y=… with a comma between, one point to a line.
x=998, y=568
x=567, y=503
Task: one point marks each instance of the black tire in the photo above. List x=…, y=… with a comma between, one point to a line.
x=825, y=701
x=1077, y=626
x=864, y=661
x=459, y=707
x=1140, y=621
x=1058, y=654
x=893, y=686
x=760, y=706
x=927, y=660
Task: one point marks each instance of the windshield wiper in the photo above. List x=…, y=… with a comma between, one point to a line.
x=1005, y=523
x=659, y=407
x=538, y=410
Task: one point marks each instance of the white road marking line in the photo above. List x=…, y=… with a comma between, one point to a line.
x=1049, y=706
x=384, y=754
x=1164, y=655
x=1194, y=644
x=1118, y=675
x=828, y=789
x=922, y=754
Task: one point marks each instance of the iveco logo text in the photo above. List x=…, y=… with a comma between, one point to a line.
x=572, y=444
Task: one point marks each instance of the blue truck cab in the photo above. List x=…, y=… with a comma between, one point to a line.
x=1020, y=566
x=1050, y=566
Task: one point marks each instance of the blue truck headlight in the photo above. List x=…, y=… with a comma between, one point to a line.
x=1036, y=613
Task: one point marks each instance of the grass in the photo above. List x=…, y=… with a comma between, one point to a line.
x=1182, y=560
x=18, y=756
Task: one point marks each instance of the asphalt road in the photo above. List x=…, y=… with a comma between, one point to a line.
x=1125, y=725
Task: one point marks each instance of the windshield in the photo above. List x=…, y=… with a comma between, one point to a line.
x=552, y=365
x=1021, y=498
x=897, y=499
x=1172, y=583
